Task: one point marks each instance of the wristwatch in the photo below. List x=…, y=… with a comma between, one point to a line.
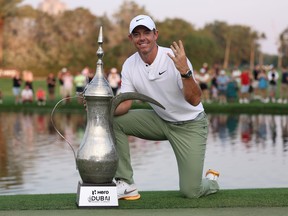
x=187, y=75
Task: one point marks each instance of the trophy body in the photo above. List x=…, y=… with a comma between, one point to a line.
x=96, y=158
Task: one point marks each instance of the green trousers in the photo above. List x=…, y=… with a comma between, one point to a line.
x=188, y=141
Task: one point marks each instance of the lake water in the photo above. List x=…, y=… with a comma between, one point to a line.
x=250, y=151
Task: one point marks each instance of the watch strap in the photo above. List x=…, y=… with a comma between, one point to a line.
x=188, y=74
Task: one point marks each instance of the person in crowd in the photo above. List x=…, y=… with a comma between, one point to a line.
x=263, y=85
x=28, y=78
x=85, y=71
x=203, y=79
x=90, y=75
x=16, y=89
x=232, y=90
x=222, y=82
x=67, y=85
x=283, y=98
x=114, y=80
x=245, y=86
x=41, y=96
x=273, y=77
x=255, y=82
x=166, y=75
x=213, y=86
x=51, y=85
x=27, y=94
x=61, y=83
x=205, y=66
x=80, y=82
x=236, y=75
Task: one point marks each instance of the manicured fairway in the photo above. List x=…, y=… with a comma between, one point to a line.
x=225, y=199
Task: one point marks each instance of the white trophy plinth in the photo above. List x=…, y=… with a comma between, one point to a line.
x=96, y=195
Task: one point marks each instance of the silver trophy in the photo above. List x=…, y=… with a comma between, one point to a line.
x=97, y=158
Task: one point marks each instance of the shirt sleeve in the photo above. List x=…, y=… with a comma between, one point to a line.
x=126, y=80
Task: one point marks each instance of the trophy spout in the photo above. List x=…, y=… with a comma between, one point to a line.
x=130, y=96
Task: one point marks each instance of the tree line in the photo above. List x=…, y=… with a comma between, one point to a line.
x=36, y=41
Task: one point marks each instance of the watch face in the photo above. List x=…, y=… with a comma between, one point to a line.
x=187, y=75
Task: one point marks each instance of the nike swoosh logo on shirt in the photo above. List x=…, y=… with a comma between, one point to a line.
x=128, y=192
x=160, y=73
x=139, y=19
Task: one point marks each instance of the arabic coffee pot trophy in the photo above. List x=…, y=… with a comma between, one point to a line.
x=97, y=158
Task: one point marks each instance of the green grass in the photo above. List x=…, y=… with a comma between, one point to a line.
x=234, y=108
x=156, y=200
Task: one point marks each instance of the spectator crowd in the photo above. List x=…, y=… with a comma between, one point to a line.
x=69, y=85
x=263, y=83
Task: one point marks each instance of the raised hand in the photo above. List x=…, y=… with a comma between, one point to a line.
x=179, y=58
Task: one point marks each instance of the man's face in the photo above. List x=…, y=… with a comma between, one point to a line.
x=144, y=39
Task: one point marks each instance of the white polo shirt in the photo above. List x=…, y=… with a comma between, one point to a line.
x=160, y=81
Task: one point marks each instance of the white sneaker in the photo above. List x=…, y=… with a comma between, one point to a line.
x=127, y=191
x=212, y=175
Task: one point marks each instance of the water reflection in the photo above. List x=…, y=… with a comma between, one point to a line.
x=251, y=129
x=250, y=151
x=32, y=154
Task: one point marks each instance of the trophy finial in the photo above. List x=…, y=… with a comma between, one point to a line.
x=100, y=52
x=100, y=37
x=99, y=86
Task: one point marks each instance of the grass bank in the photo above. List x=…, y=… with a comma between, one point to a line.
x=276, y=197
x=254, y=107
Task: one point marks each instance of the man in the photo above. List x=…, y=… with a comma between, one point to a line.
x=273, y=79
x=283, y=98
x=245, y=86
x=114, y=80
x=27, y=94
x=80, y=83
x=165, y=75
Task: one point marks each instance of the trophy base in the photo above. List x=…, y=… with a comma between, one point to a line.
x=96, y=195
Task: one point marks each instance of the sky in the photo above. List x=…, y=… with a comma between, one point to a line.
x=264, y=16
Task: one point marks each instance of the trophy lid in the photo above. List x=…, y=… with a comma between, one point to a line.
x=99, y=86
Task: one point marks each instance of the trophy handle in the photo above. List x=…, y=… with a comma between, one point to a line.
x=52, y=121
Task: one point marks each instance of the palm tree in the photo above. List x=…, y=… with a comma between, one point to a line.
x=253, y=38
x=8, y=8
x=262, y=37
x=227, y=50
x=283, y=48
